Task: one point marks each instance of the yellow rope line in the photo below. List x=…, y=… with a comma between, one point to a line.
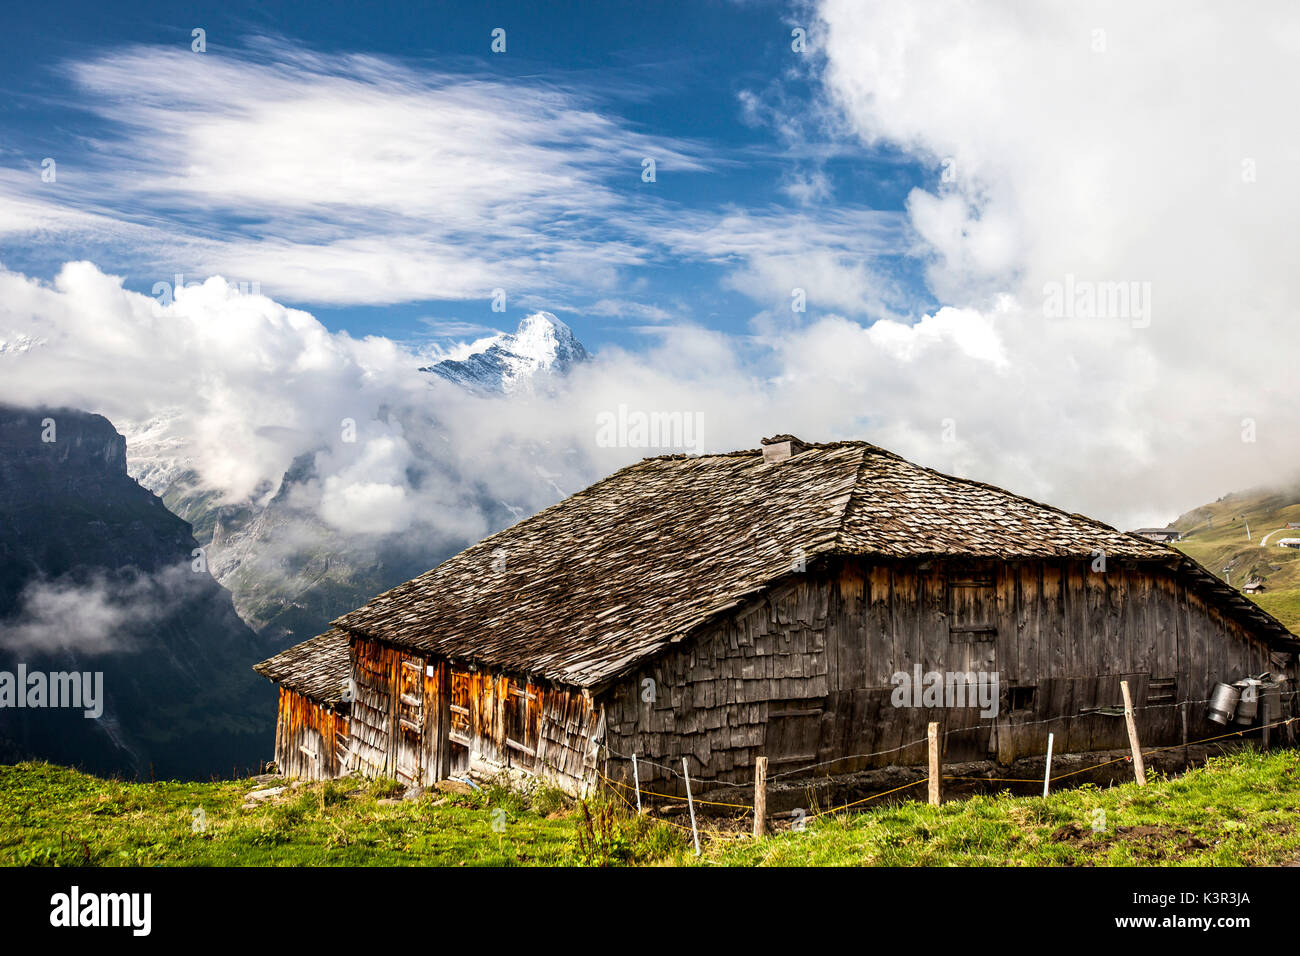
x=703, y=830
x=666, y=796
x=630, y=804
x=1235, y=733
x=1095, y=766
x=1153, y=750
x=875, y=796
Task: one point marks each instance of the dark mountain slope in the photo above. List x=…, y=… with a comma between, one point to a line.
x=96, y=575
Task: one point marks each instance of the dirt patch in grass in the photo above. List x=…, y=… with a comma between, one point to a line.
x=1153, y=842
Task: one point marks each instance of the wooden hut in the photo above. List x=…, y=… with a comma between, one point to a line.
x=311, y=729
x=774, y=602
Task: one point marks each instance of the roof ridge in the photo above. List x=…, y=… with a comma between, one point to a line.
x=839, y=542
x=743, y=452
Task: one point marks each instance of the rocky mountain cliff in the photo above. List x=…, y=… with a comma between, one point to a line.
x=291, y=572
x=97, y=575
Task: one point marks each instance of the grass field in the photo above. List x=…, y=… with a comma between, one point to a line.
x=1237, y=810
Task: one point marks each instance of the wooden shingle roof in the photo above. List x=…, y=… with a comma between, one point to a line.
x=584, y=590
x=318, y=669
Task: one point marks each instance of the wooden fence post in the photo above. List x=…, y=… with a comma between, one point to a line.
x=760, y=797
x=1047, y=772
x=1182, y=715
x=690, y=803
x=1139, y=768
x=936, y=765
x=636, y=779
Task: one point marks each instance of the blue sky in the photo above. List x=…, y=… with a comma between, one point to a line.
x=925, y=172
x=758, y=190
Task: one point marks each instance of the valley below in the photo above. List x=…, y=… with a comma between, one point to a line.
x=1236, y=538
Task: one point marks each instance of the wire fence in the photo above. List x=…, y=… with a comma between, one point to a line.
x=808, y=768
x=622, y=789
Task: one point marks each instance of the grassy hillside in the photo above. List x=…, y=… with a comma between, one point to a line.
x=1216, y=537
x=1237, y=810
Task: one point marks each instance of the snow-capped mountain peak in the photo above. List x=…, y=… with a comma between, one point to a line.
x=545, y=340
x=540, y=347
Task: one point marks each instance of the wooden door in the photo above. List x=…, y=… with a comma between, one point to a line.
x=435, y=721
x=523, y=723
x=410, y=721
x=973, y=615
x=459, y=731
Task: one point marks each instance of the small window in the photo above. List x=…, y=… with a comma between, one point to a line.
x=1162, y=690
x=972, y=608
x=1021, y=698
x=793, y=731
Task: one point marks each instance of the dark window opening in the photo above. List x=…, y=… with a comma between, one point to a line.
x=1021, y=698
x=1162, y=690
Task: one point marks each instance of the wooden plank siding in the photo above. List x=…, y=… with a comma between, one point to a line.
x=310, y=740
x=803, y=674
x=467, y=721
x=374, y=716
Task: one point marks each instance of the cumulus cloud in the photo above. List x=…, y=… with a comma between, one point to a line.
x=238, y=388
x=1096, y=144
x=368, y=494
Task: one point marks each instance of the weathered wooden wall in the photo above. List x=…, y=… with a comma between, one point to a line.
x=434, y=762
x=804, y=674
x=372, y=738
x=498, y=722
x=311, y=741
x=517, y=724
x=423, y=720
x=571, y=729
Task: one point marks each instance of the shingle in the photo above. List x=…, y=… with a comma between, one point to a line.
x=318, y=669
